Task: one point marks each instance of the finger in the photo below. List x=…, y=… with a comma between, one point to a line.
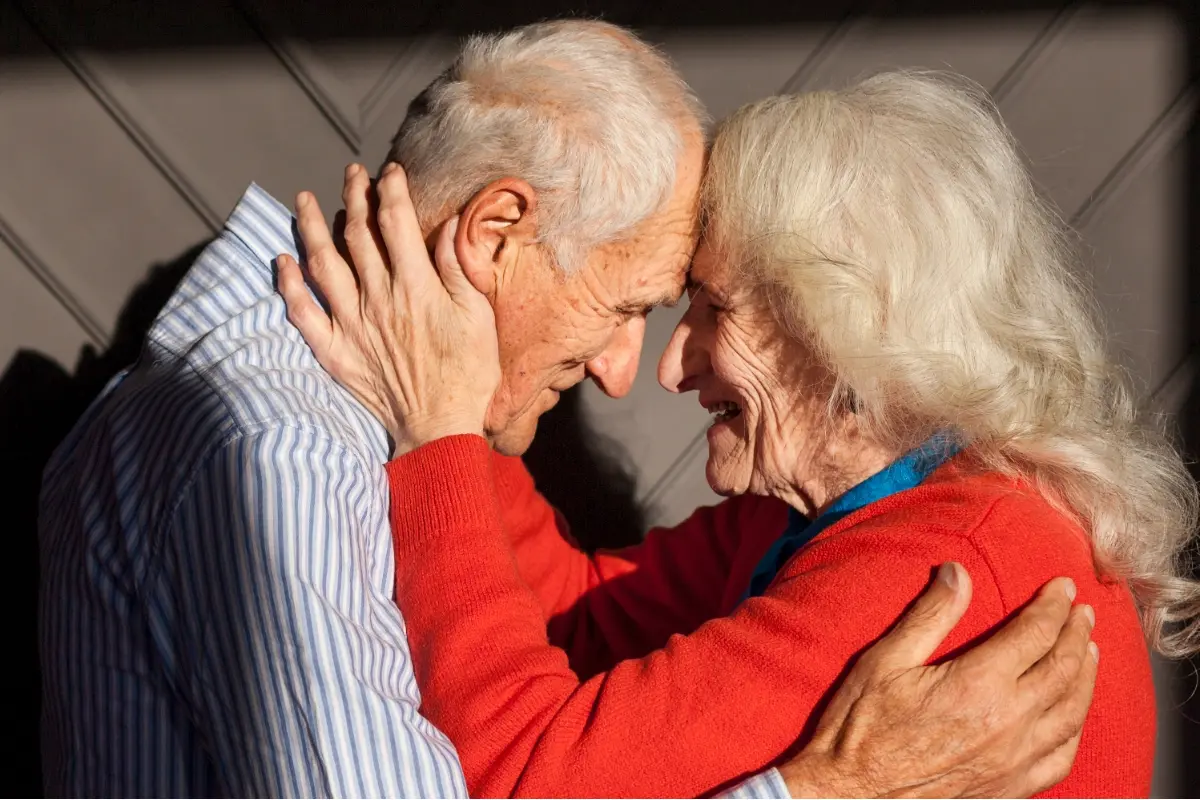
x=446, y=260
x=401, y=232
x=1049, y=680
x=329, y=271
x=1023, y=641
x=917, y=635
x=1049, y=771
x=1064, y=720
x=365, y=247
x=339, y=236
x=303, y=311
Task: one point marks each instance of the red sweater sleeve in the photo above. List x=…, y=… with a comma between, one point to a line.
x=616, y=604
x=706, y=709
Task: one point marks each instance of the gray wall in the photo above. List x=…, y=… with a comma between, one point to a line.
x=125, y=141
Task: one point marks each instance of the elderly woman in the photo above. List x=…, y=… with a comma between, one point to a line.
x=902, y=372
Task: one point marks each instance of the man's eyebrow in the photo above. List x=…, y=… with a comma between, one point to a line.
x=667, y=298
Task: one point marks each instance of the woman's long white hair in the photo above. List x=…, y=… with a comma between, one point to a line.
x=895, y=228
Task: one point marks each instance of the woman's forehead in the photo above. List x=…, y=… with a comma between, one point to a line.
x=707, y=265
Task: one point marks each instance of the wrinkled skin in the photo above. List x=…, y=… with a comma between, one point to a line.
x=781, y=440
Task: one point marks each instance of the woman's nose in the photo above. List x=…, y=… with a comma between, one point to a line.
x=680, y=359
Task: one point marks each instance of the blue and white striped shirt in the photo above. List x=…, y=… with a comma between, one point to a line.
x=217, y=614
x=216, y=609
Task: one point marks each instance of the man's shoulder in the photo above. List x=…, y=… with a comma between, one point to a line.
x=265, y=385
x=247, y=378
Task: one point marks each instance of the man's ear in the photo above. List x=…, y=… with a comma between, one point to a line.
x=493, y=227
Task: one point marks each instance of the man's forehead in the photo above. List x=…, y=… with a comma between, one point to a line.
x=657, y=285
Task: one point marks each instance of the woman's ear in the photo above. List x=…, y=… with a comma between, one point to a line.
x=495, y=224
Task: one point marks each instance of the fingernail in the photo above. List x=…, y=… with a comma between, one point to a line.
x=1070, y=590
x=302, y=200
x=1094, y=649
x=948, y=575
x=453, y=225
x=390, y=167
x=1090, y=614
x=351, y=171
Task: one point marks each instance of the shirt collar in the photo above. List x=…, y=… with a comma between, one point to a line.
x=265, y=226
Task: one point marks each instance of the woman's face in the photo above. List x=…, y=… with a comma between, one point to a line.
x=766, y=392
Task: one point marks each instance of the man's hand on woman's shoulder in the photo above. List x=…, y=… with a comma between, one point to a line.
x=1002, y=720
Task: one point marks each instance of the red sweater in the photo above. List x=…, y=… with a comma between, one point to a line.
x=637, y=672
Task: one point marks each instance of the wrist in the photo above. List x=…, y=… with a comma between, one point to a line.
x=418, y=433
x=809, y=775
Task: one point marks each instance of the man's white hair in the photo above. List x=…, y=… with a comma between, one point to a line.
x=591, y=116
x=895, y=229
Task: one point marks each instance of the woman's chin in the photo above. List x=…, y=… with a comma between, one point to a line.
x=721, y=478
x=727, y=454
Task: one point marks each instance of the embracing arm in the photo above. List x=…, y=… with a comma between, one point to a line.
x=674, y=722
x=294, y=662
x=619, y=604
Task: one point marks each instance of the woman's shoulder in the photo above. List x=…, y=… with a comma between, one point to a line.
x=1021, y=539
x=978, y=506
x=1006, y=518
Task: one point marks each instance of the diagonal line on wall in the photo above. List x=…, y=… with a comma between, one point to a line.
x=423, y=45
x=382, y=88
x=835, y=37
x=397, y=75
x=1160, y=139
x=105, y=96
x=1041, y=45
x=1169, y=396
x=44, y=275
x=322, y=88
x=671, y=474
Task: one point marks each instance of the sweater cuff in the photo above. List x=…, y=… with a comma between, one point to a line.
x=511, y=476
x=441, y=488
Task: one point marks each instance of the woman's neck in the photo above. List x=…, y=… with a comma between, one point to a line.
x=841, y=466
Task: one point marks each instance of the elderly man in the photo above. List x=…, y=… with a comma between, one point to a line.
x=218, y=572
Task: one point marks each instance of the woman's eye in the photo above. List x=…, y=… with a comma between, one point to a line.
x=697, y=296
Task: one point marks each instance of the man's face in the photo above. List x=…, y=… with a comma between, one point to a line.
x=555, y=330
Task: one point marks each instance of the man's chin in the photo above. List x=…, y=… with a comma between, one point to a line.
x=515, y=439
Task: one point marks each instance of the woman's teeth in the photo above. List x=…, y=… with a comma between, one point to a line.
x=723, y=412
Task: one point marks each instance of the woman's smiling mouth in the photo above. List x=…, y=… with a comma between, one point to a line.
x=723, y=411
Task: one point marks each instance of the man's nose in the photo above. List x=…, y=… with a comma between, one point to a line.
x=614, y=370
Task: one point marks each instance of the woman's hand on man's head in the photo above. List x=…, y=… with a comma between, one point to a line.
x=406, y=333
x=1002, y=720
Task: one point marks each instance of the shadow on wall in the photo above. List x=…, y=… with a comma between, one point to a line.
x=581, y=473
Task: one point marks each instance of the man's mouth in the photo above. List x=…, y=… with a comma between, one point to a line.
x=723, y=411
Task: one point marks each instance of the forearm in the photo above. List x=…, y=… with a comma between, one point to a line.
x=616, y=604
x=555, y=570
x=525, y=723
